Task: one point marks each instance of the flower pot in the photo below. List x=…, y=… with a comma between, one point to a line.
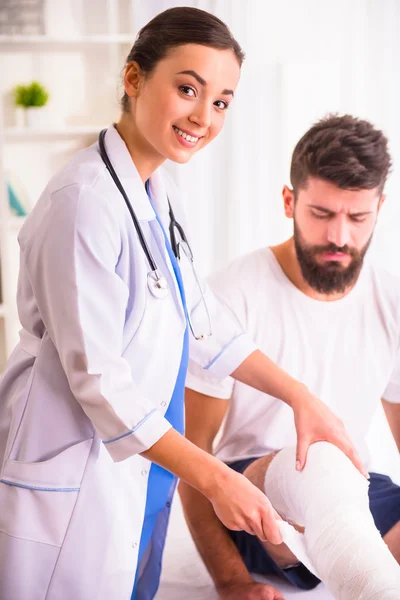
x=35, y=117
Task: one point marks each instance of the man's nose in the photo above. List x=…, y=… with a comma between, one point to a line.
x=339, y=231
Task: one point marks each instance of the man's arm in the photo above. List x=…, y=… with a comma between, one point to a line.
x=392, y=412
x=204, y=416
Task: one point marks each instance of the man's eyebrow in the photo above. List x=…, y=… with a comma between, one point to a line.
x=203, y=82
x=332, y=212
x=322, y=209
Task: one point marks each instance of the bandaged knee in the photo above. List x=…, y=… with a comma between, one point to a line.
x=340, y=544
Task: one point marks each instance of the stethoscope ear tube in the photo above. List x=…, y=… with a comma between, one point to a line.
x=110, y=168
x=156, y=282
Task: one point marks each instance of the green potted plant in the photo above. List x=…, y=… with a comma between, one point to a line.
x=31, y=98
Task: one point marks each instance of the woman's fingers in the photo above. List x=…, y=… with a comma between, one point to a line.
x=303, y=444
x=264, y=524
x=270, y=527
x=240, y=505
x=352, y=454
x=315, y=422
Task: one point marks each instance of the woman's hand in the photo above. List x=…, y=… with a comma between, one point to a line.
x=236, y=501
x=242, y=506
x=315, y=422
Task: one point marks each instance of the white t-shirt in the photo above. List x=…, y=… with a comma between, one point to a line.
x=346, y=352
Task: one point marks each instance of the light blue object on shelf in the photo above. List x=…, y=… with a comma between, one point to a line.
x=15, y=205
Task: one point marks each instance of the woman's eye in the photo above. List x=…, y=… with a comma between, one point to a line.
x=187, y=90
x=221, y=104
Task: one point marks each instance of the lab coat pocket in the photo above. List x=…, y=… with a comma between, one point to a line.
x=37, y=499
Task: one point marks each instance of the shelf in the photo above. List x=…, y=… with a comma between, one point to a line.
x=46, y=40
x=25, y=134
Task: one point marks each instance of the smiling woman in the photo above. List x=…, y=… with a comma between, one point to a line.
x=179, y=105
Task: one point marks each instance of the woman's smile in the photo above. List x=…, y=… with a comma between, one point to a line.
x=186, y=138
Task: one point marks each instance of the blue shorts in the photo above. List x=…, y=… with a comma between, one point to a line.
x=384, y=502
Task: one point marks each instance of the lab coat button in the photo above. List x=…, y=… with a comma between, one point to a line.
x=144, y=472
x=163, y=403
x=134, y=545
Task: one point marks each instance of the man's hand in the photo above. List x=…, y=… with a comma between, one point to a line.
x=249, y=591
x=315, y=422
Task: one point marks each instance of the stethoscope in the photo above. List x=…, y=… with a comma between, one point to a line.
x=156, y=282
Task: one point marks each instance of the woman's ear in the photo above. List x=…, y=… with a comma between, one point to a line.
x=133, y=78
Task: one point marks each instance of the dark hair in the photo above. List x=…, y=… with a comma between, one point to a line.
x=175, y=27
x=344, y=150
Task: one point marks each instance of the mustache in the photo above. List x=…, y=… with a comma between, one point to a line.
x=332, y=248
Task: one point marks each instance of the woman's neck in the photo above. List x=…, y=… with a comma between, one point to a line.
x=145, y=157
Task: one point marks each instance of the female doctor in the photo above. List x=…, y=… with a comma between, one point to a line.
x=91, y=406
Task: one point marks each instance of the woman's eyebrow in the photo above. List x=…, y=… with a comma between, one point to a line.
x=202, y=81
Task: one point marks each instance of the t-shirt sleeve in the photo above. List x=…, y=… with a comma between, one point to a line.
x=392, y=392
x=200, y=380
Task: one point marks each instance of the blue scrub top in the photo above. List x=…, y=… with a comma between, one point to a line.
x=161, y=483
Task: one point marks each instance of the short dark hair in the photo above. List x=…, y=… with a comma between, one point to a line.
x=175, y=27
x=343, y=150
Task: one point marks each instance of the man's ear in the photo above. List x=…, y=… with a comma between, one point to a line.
x=288, y=201
x=381, y=201
x=133, y=78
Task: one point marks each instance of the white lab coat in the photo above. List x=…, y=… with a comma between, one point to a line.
x=97, y=361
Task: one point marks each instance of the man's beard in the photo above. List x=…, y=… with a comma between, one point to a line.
x=331, y=277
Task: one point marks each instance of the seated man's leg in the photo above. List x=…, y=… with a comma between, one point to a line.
x=384, y=498
x=329, y=498
x=255, y=472
x=262, y=557
x=384, y=501
x=392, y=539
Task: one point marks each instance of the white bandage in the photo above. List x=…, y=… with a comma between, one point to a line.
x=341, y=544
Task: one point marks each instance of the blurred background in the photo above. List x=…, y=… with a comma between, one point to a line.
x=304, y=58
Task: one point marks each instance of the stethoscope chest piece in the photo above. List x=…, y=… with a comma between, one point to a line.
x=157, y=285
